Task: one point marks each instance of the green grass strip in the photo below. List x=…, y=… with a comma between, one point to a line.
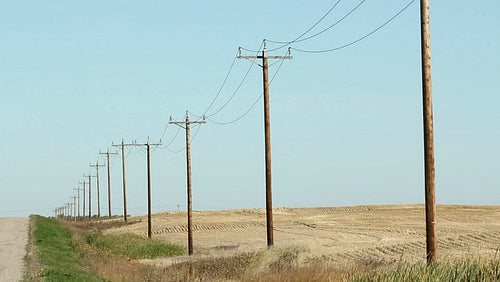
x=55, y=251
x=134, y=246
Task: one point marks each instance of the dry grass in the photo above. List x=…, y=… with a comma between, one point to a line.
x=88, y=226
x=264, y=265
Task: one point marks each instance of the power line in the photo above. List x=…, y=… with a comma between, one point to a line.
x=237, y=88
x=222, y=86
x=164, y=131
x=286, y=43
x=166, y=146
x=316, y=34
x=234, y=93
x=359, y=39
x=175, y=136
x=251, y=107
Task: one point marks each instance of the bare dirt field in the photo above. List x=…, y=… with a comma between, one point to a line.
x=334, y=234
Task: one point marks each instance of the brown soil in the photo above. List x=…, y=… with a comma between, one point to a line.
x=361, y=234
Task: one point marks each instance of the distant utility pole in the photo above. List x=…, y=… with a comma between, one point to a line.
x=148, y=145
x=74, y=207
x=78, y=195
x=186, y=125
x=430, y=184
x=267, y=131
x=109, y=179
x=67, y=207
x=70, y=211
x=124, y=182
x=83, y=196
x=90, y=194
x=97, y=165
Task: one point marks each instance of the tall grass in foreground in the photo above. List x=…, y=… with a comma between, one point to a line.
x=470, y=269
x=55, y=252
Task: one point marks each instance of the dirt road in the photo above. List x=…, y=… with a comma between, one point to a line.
x=13, y=241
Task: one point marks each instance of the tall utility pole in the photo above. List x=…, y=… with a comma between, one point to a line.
x=83, y=196
x=124, y=182
x=78, y=195
x=186, y=125
x=267, y=132
x=109, y=179
x=90, y=194
x=148, y=145
x=97, y=165
x=430, y=184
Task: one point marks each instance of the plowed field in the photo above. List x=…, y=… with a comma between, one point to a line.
x=336, y=234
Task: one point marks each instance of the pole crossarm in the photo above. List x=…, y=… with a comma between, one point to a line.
x=265, y=55
x=183, y=123
x=268, y=57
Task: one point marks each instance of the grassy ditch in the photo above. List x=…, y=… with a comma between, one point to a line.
x=68, y=251
x=133, y=246
x=56, y=257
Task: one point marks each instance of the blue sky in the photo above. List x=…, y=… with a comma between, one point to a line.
x=346, y=125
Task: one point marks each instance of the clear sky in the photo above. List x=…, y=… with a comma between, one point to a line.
x=346, y=125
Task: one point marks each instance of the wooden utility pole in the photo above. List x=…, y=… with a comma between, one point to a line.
x=74, y=207
x=97, y=165
x=78, y=195
x=109, y=179
x=67, y=207
x=186, y=125
x=267, y=132
x=148, y=145
x=122, y=145
x=83, y=196
x=430, y=194
x=90, y=194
